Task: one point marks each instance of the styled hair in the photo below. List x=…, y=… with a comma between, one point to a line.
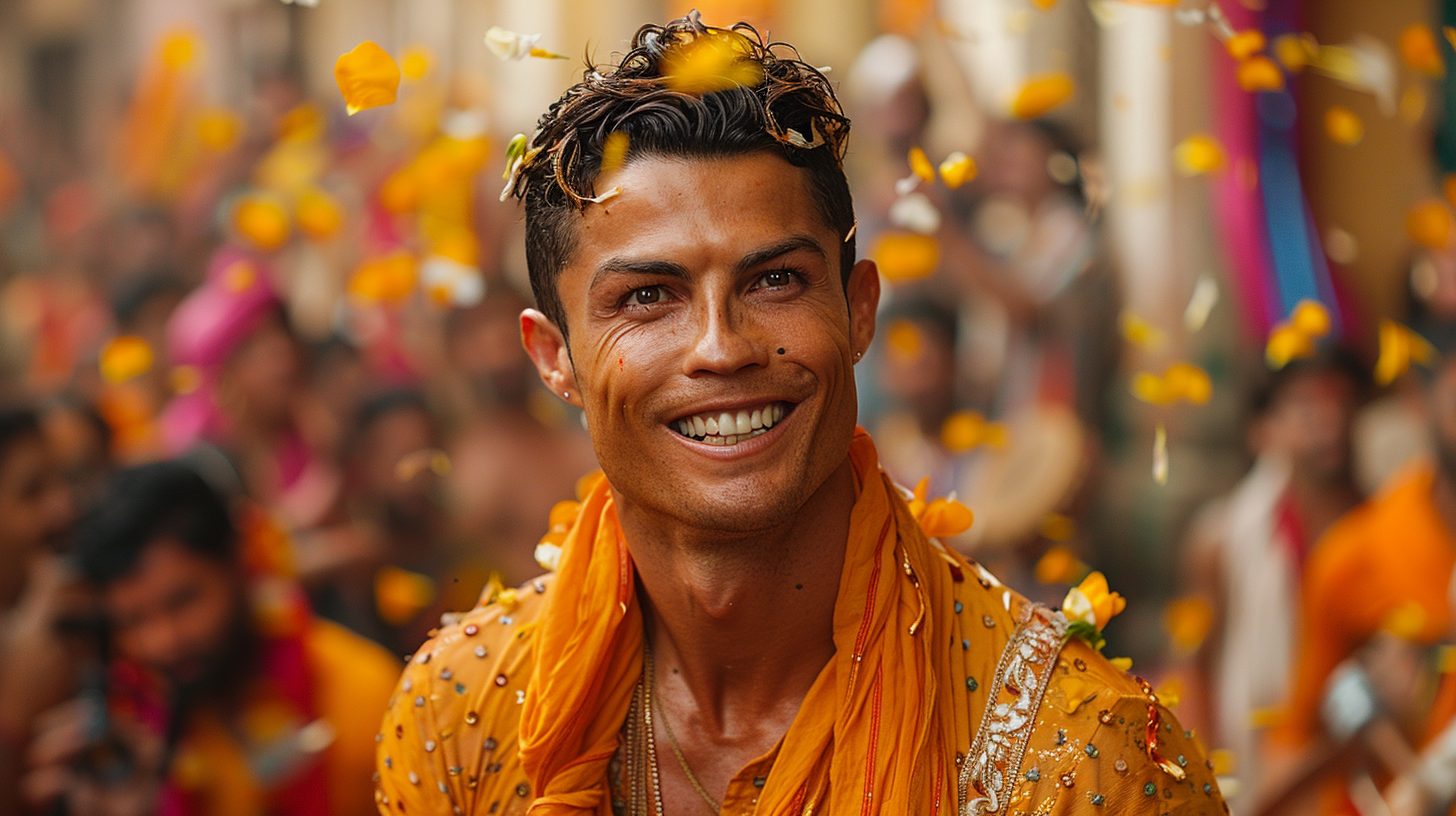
x=764, y=101
x=144, y=504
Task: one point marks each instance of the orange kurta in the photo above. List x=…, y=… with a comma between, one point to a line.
x=1386, y=563
x=519, y=705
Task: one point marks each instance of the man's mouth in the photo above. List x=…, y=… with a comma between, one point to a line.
x=731, y=427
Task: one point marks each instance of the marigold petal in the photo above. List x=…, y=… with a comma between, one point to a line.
x=957, y=169
x=1245, y=44
x=905, y=256
x=1343, y=126
x=1429, y=223
x=125, y=357
x=1259, y=73
x=1041, y=94
x=1418, y=49
x=368, y=77
x=1199, y=154
x=920, y=165
x=262, y=222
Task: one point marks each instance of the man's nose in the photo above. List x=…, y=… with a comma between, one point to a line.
x=724, y=343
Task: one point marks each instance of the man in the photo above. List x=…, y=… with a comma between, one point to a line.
x=223, y=697
x=1248, y=548
x=746, y=616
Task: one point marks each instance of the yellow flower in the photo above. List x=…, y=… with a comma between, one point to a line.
x=1091, y=602
x=1152, y=389
x=262, y=222
x=125, y=357
x=1199, y=154
x=1399, y=347
x=957, y=169
x=318, y=215
x=1419, y=50
x=905, y=256
x=1343, y=126
x=1245, y=44
x=710, y=62
x=368, y=77
x=1041, y=94
x=920, y=165
x=1259, y=73
x=1429, y=223
x=179, y=49
x=1188, y=621
x=1060, y=566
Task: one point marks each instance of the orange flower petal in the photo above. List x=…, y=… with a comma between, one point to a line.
x=1041, y=94
x=920, y=165
x=368, y=77
x=1429, y=223
x=945, y=518
x=218, y=129
x=905, y=256
x=262, y=222
x=1343, y=126
x=1199, y=154
x=1311, y=317
x=125, y=357
x=1259, y=73
x=963, y=431
x=318, y=214
x=957, y=169
x=712, y=62
x=1188, y=621
x=1418, y=49
x=1245, y=44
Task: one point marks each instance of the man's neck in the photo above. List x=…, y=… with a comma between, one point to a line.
x=744, y=624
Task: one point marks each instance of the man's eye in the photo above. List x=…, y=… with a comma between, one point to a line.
x=645, y=296
x=776, y=279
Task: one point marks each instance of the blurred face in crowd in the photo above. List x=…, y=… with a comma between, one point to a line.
x=1015, y=163
x=177, y=612
x=263, y=373
x=917, y=369
x=710, y=292
x=392, y=468
x=35, y=509
x=1309, y=422
x=484, y=347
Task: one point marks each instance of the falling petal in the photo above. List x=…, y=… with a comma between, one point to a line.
x=1311, y=317
x=1343, y=126
x=1044, y=5
x=712, y=62
x=1188, y=621
x=1245, y=44
x=1139, y=332
x=1058, y=527
x=1152, y=389
x=416, y=63
x=400, y=595
x=614, y=151
x=1188, y=382
x=1399, y=347
x=957, y=169
x=318, y=214
x=1059, y=565
x=963, y=431
x=1259, y=73
x=125, y=357
x=1450, y=34
x=920, y=165
x=1295, y=51
x=541, y=53
x=1418, y=50
x=946, y=517
x=1041, y=94
x=905, y=256
x=915, y=212
x=387, y=279
x=368, y=77
x=1160, y=455
x=262, y=222
x=1429, y=224
x=607, y=196
x=905, y=341
x=510, y=45
x=1287, y=343
x=1169, y=692
x=1123, y=664
x=1200, y=305
x=1198, y=154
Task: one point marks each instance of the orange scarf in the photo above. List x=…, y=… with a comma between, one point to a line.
x=878, y=730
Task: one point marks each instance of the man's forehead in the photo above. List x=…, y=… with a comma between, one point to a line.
x=730, y=208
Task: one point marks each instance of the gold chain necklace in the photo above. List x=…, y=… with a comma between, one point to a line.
x=648, y=740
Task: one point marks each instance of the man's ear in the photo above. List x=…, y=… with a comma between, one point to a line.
x=863, y=293
x=547, y=348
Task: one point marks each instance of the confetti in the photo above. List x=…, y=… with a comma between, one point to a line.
x=1418, y=49
x=262, y=222
x=1343, y=126
x=905, y=256
x=124, y=358
x=509, y=45
x=368, y=77
x=1429, y=223
x=711, y=62
x=1160, y=455
x=1200, y=305
x=1041, y=94
x=957, y=169
x=1199, y=154
x=1399, y=347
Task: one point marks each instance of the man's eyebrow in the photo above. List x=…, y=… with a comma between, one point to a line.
x=791, y=244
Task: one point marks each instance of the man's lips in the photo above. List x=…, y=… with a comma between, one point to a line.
x=728, y=426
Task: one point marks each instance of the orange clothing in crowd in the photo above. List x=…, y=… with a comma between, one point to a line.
x=1386, y=565
x=945, y=686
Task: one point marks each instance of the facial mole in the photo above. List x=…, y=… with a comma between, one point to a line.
x=781, y=351
x=798, y=586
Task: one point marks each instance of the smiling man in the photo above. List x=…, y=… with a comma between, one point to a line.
x=746, y=616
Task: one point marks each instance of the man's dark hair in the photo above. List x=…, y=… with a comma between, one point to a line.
x=789, y=109
x=1329, y=358
x=143, y=504
x=16, y=423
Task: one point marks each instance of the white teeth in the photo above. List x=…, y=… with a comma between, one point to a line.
x=730, y=439
x=726, y=424
x=700, y=428
x=724, y=428
x=756, y=420
x=743, y=423
x=711, y=425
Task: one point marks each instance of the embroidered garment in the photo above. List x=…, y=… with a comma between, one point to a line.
x=949, y=693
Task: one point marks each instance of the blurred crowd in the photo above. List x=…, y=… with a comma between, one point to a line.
x=266, y=418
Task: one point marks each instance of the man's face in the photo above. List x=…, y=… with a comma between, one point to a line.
x=1310, y=421
x=35, y=509
x=177, y=612
x=712, y=341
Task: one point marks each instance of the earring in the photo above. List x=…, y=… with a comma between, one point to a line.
x=857, y=355
x=566, y=394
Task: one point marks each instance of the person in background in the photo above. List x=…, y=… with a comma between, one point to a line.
x=35, y=517
x=81, y=442
x=917, y=373
x=1248, y=548
x=222, y=693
